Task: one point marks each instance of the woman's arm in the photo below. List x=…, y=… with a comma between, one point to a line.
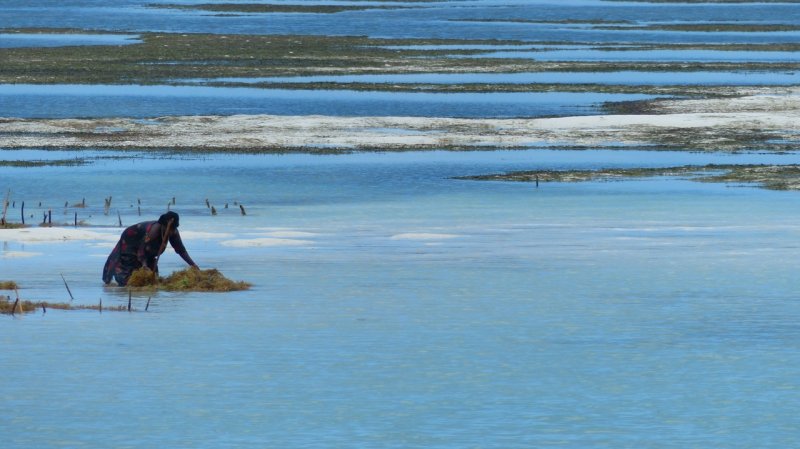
x=177, y=244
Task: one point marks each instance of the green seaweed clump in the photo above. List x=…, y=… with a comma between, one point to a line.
x=187, y=280
x=142, y=278
x=8, y=285
x=196, y=280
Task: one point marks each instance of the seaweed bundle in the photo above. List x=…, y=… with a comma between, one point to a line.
x=187, y=280
x=8, y=285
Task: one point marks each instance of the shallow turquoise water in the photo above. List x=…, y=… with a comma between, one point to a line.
x=420, y=311
x=63, y=101
x=747, y=78
x=17, y=40
x=393, y=306
x=441, y=19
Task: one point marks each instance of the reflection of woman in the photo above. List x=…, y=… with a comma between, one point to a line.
x=140, y=245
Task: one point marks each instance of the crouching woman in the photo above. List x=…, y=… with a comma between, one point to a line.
x=140, y=245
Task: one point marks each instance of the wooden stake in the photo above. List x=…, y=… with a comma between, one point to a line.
x=71, y=298
x=14, y=308
x=5, y=207
x=129, y=300
x=119, y=217
x=100, y=308
x=241, y=208
x=22, y=212
x=148, y=304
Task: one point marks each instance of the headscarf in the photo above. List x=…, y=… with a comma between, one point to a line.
x=164, y=219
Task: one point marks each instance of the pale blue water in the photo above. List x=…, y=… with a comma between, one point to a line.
x=17, y=40
x=60, y=101
x=445, y=19
x=648, y=55
x=604, y=53
x=627, y=77
x=394, y=306
x=649, y=313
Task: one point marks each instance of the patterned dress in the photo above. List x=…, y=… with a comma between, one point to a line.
x=139, y=246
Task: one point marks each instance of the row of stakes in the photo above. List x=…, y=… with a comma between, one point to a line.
x=18, y=306
x=47, y=218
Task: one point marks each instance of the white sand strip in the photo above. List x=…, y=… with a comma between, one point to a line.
x=777, y=114
x=56, y=234
x=18, y=254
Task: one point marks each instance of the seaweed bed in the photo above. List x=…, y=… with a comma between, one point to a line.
x=8, y=285
x=188, y=280
x=173, y=58
x=8, y=307
x=771, y=177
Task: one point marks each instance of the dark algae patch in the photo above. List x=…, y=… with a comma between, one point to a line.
x=8, y=285
x=179, y=59
x=40, y=163
x=9, y=307
x=188, y=280
x=772, y=177
x=256, y=8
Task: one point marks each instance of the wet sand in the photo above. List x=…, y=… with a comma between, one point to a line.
x=766, y=119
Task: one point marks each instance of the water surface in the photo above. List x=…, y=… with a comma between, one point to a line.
x=62, y=101
x=17, y=40
x=442, y=313
x=626, y=77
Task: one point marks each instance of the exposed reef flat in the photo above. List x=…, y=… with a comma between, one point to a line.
x=773, y=177
x=767, y=121
x=261, y=8
x=171, y=58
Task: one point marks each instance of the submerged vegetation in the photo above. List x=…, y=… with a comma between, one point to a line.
x=772, y=177
x=35, y=163
x=255, y=8
x=188, y=280
x=8, y=307
x=8, y=285
x=172, y=58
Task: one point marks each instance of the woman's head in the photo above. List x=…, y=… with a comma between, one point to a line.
x=164, y=219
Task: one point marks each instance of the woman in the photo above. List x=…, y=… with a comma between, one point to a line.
x=141, y=244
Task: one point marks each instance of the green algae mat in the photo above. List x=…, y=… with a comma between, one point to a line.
x=188, y=280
